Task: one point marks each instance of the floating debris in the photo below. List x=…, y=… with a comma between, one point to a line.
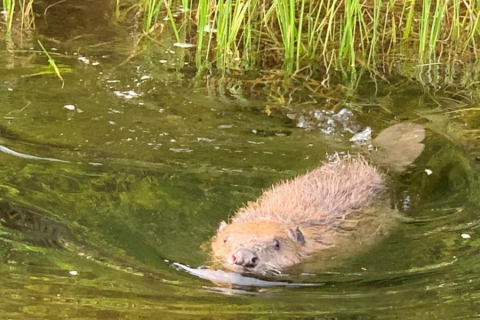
x=205, y=139
x=362, y=137
x=209, y=29
x=130, y=94
x=181, y=150
x=225, y=126
x=184, y=45
x=220, y=276
x=27, y=156
x=327, y=121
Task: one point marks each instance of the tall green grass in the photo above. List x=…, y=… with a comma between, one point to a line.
x=25, y=11
x=28, y=16
x=151, y=12
x=321, y=36
x=9, y=8
x=52, y=63
x=316, y=38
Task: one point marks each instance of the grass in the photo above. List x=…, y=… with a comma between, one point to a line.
x=151, y=10
x=25, y=7
x=315, y=39
x=52, y=64
x=27, y=17
x=9, y=9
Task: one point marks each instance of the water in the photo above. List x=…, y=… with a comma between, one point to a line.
x=153, y=160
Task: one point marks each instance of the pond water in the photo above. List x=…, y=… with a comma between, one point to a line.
x=151, y=160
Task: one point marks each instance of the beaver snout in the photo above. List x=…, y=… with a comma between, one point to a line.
x=245, y=258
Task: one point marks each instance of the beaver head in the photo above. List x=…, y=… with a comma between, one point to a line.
x=258, y=246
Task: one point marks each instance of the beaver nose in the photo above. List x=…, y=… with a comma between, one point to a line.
x=245, y=258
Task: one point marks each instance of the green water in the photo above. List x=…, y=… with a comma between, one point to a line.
x=153, y=161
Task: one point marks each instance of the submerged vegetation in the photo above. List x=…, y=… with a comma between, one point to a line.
x=434, y=42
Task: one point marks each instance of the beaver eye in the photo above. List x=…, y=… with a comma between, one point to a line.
x=276, y=244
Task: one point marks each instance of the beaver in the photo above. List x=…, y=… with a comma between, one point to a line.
x=342, y=204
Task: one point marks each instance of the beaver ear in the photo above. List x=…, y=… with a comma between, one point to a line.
x=296, y=235
x=222, y=225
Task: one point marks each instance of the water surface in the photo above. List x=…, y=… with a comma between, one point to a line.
x=153, y=159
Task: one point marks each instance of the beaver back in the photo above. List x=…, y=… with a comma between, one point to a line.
x=325, y=196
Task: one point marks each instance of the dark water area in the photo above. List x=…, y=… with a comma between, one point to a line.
x=132, y=164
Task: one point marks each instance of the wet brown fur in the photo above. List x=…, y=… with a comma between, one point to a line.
x=323, y=209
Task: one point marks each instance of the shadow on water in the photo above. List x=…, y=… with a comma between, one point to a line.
x=153, y=162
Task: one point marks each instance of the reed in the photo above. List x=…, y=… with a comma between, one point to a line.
x=285, y=13
x=8, y=10
x=150, y=17
x=28, y=16
x=24, y=13
x=202, y=24
x=315, y=37
x=229, y=20
x=117, y=9
x=52, y=64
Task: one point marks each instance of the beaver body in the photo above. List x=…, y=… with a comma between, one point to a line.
x=298, y=217
x=338, y=207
